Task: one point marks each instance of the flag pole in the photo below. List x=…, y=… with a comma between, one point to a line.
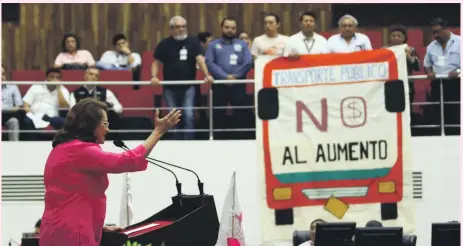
x=233, y=205
x=127, y=194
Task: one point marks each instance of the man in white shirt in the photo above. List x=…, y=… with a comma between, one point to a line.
x=270, y=43
x=100, y=93
x=42, y=103
x=121, y=58
x=348, y=40
x=313, y=227
x=307, y=41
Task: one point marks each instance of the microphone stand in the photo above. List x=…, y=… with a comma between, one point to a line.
x=178, y=185
x=121, y=144
x=200, y=184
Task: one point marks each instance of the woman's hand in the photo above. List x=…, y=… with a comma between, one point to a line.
x=112, y=228
x=164, y=124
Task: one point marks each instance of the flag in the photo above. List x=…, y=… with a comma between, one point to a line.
x=231, y=231
x=126, y=214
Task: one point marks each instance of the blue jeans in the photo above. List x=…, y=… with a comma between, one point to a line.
x=174, y=99
x=107, y=66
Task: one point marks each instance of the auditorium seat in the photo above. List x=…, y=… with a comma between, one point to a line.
x=415, y=37
x=376, y=38
x=72, y=76
x=422, y=86
x=27, y=75
x=250, y=87
x=118, y=90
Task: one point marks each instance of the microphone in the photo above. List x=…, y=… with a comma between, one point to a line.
x=200, y=184
x=177, y=184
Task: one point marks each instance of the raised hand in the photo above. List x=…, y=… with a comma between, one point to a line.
x=170, y=120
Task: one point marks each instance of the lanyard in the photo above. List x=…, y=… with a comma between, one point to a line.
x=307, y=47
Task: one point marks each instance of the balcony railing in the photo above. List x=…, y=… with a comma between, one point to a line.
x=211, y=107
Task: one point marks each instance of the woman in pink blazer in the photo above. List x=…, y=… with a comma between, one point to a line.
x=76, y=174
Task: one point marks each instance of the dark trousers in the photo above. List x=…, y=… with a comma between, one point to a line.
x=451, y=94
x=241, y=118
x=202, y=122
x=56, y=122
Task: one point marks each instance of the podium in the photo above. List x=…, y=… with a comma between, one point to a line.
x=190, y=220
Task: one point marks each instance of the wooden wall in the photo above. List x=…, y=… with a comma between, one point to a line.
x=35, y=43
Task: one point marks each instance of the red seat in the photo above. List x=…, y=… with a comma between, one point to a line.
x=27, y=75
x=147, y=62
x=376, y=38
x=415, y=37
x=455, y=30
x=422, y=86
x=250, y=87
x=72, y=75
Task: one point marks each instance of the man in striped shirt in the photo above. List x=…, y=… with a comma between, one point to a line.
x=11, y=108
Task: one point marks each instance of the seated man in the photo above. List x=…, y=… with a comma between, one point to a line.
x=100, y=93
x=43, y=103
x=12, y=113
x=121, y=58
x=313, y=227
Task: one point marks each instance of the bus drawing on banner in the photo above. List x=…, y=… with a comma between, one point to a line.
x=331, y=128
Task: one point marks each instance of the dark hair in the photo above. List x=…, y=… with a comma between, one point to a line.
x=399, y=28
x=374, y=223
x=229, y=18
x=37, y=225
x=202, y=36
x=274, y=15
x=239, y=33
x=81, y=122
x=118, y=37
x=439, y=22
x=52, y=70
x=317, y=221
x=308, y=13
x=65, y=37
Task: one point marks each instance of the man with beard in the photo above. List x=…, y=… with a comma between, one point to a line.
x=307, y=41
x=229, y=58
x=443, y=58
x=179, y=54
x=348, y=40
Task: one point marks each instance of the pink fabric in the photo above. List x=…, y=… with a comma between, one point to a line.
x=82, y=56
x=75, y=183
x=233, y=242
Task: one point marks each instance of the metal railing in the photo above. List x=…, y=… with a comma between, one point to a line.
x=210, y=106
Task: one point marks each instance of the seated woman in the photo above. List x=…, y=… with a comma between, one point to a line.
x=71, y=56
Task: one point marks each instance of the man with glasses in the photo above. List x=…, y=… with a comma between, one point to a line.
x=179, y=54
x=348, y=40
x=443, y=58
x=102, y=94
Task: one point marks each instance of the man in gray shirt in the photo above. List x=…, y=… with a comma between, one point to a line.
x=229, y=58
x=443, y=58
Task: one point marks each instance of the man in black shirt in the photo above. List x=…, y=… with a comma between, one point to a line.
x=179, y=54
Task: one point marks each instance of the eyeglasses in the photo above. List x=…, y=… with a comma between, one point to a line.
x=179, y=26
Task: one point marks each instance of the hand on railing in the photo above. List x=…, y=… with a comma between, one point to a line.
x=155, y=81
